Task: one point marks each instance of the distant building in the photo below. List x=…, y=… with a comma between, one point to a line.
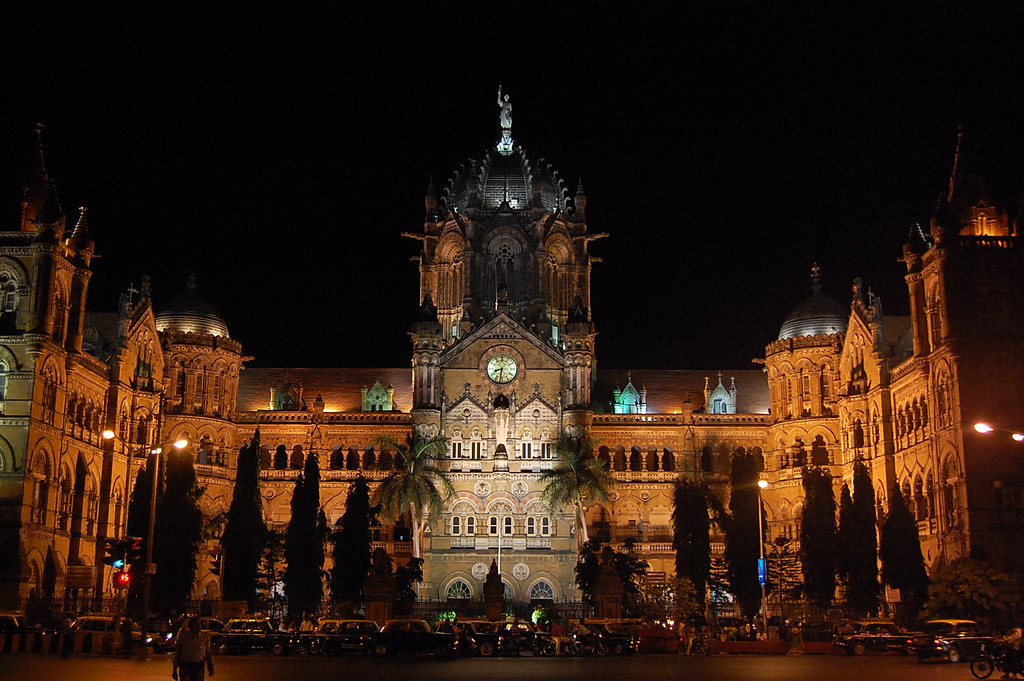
x=503, y=360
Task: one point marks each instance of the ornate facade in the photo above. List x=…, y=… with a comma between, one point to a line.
x=503, y=359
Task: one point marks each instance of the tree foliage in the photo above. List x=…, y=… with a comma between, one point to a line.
x=902, y=562
x=245, y=533
x=177, y=533
x=818, y=537
x=860, y=542
x=629, y=568
x=304, y=542
x=972, y=589
x=692, y=517
x=742, y=534
x=577, y=477
x=351, y=545
x=406, y=578
x=417, y=486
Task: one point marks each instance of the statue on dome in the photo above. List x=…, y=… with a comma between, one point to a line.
x=506, y=110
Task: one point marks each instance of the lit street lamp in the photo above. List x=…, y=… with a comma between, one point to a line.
x=762, y=567
x=986, y=428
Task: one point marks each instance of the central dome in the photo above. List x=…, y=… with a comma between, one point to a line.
x=190, y=313
x=816, y=316
x=498, y=179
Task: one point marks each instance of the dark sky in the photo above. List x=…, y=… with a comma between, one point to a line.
x=278, y=154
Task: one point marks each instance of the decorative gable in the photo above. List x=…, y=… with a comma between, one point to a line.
x=378, y=398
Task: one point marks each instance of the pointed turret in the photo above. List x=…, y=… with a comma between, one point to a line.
x=37, y=189
x=968, y=208
x=80, y=239
x=581, y=202
x=430, y=202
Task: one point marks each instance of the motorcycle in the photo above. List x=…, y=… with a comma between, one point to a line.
x=996, y=657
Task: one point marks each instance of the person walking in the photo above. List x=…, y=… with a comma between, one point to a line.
x=126, y=636
x=192, y=652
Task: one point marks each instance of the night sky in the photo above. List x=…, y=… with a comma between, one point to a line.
x=278, y=154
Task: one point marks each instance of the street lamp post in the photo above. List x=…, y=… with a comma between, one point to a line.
x=147, y=584
x=762, y=573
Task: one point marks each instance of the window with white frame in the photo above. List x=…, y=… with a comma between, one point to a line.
x=458, y=590
x=542, y=591
x=492, y=526
x=470, y=525
x=526, y=449
x=509, y=525
x=456, y=525
x=456, y=450
x=476, y=450
x=545, y=450
x=545, y=526
x=531, y=526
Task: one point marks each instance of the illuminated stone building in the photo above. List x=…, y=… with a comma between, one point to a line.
x=503, y=359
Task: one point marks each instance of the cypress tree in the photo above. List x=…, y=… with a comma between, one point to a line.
x=691, y=534
x=178, y=531
x=245, y=533
x=351, y=545
x=818, y=537
x=742, y=535
x=861, y=544
x=842, y=546
x=902, y=562
x=303, y=546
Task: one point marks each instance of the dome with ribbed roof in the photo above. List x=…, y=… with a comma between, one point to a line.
x=818, y=315
x=498, y=178
x=190, y=313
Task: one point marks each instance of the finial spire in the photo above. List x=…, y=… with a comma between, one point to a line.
x=816, y=278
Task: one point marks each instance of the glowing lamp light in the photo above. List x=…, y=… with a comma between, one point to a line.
x=107, y=434
x=762, y=484
x=983, y=428
x=1019, y=437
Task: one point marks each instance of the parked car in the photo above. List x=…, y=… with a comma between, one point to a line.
x=337, y=636
x=618, y=639
x=861, y=636
x=11, y=622
x=951, y=639
x=246, y=635
x=105, y=632
x=415, y=636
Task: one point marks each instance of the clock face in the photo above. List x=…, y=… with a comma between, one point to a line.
x=502, y=369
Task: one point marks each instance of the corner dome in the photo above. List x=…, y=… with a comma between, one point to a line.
x=499, y=178
x=815, y=316
x=189, y=313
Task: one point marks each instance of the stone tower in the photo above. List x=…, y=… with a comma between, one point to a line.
x=503, y=362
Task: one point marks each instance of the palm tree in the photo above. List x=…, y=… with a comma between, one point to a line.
x=577, y=477
x=417, y=486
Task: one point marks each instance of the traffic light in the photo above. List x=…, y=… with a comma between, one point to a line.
x=135, y=553
x=122, y=580
x=215, y=563
x=115, y=553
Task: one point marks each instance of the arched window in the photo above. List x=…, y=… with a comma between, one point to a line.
x=531, y=526
x=545, y=526
x=459, y=590
x=456, y=525
x=3, y=381
x=542, y=591
x=471, y=525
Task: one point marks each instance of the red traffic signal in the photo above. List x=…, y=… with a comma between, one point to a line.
x=122, y=580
